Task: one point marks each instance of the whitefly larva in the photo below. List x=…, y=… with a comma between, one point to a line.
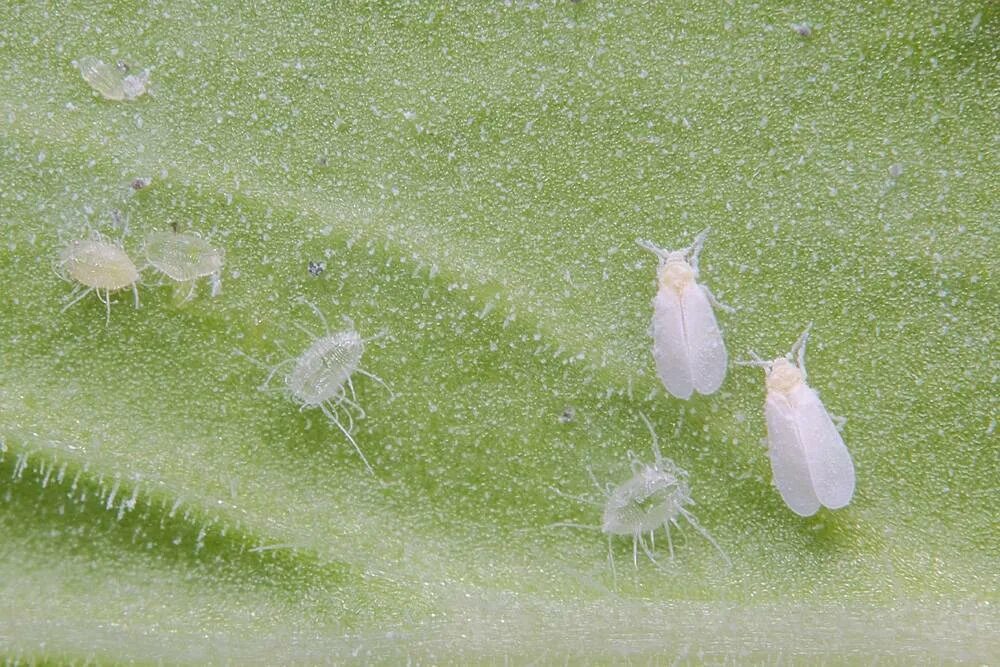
x=810, y=463
x=113, y=82
x=655, y=496
x=184, y=258
x=687, y=343
x=321, y=376
x=100, y=266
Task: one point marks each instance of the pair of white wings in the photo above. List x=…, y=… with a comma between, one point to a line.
x=811, y=465
x=687, y=342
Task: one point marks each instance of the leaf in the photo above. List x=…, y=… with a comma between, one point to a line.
x=472, y=178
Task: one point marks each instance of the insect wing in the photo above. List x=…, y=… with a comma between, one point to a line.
x=706, y=351
x=670, y=347
x=789, y=463
x=830, y=464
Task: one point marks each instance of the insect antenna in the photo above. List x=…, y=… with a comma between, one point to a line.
x=694, y=250
x=799, y=350
x=653, y=248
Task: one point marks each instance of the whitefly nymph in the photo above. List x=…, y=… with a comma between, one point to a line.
x=656, y=495
x=100, y=266
x=184, y=258
x=321, y=376
x=113, y=82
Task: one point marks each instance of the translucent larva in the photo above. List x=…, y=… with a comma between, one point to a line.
x=320, y=377
x=97, y=265
x=113, y=82
x=687, y=343
x=657, y=495
x=183, y=257
x=810, y=463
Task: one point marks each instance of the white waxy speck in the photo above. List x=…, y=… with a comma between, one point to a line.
x=113, y=82
x=184, y=257
x=810, y=463
x=687, y=343
x=97, y=265
x=321, y=376
x=803, y=29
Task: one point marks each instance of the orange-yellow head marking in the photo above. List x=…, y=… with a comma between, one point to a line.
x=784, y=376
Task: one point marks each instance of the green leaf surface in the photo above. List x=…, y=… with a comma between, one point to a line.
x=473, y=177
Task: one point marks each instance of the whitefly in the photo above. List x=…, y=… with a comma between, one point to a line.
x=322, y=375
x=655, y=496
x=97, y=265
x=184, y=258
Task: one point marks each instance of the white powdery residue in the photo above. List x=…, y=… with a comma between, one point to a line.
x=487, y=309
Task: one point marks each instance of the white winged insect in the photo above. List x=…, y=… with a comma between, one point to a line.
x=97, y=265
x=810, y=463
x=687, y=343
x=655, y=496
x=320, y=377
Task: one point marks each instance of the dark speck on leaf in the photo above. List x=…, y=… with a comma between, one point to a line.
x=316, y=268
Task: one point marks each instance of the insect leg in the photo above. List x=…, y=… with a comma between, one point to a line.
x=77, y=299
x=333, y=418
x=704, y=533
x=382, y=382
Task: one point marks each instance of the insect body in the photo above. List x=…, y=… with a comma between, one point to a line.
x=320, y=377
x=655, y=496
x=98, y=266
x=687, y=343
x=183, y=257
x=810, y=463
x=113, y=82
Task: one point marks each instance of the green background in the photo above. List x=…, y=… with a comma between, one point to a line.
x=474, y=176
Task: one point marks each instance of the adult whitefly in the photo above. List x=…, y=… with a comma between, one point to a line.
x=809, y=461
x=688, y=349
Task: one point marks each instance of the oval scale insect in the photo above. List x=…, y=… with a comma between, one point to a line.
x=657, y=495
x=321, y=376
x=113, y=82
x=810, y=463
x=183, y=257
x=98, y=266
x=687, y=343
